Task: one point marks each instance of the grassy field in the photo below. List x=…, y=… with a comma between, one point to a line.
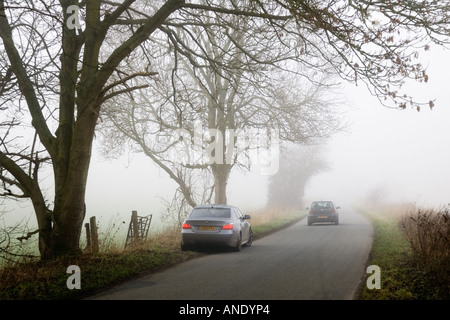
x=48, y=280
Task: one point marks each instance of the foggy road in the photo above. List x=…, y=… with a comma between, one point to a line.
x=300, y=262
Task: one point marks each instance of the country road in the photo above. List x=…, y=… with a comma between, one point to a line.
x=319, y=262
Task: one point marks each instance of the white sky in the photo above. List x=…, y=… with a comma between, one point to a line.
x=407, y=153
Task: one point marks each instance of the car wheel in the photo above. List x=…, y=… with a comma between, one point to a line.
x=250, y=238
x=337, y=221
x=309, y=222
x=238, y=246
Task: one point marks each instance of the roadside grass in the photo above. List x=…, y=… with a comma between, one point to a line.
x=37, y=280
x=403, y=275
x=390, y=250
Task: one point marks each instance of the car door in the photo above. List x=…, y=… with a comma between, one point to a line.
x=245, y=225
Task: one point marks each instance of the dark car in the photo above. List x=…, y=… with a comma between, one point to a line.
x=322, y=211
x=216, y=225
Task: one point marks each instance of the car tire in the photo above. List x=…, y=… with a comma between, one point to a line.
x=250, y=238
x=309, y=222
x=337, y=221
x=238, y=246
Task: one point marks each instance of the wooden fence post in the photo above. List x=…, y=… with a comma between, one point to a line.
x=88, y=236
x=134, y=221
x=94, y=235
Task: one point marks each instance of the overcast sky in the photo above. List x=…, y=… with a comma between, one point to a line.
x=407, y=153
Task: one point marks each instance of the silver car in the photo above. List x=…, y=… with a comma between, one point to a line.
x=216, y=225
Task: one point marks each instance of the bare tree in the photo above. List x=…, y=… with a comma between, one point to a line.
x=64, y=74
x=298, y=164
x=216, y=105
x=61, y=60
x=376, y=196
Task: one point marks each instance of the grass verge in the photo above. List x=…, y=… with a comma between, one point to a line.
x=402, y=275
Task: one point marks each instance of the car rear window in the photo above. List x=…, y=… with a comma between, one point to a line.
x=211, y=212
x=324, y=204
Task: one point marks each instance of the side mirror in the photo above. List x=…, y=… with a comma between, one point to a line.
x=307, y=208
x=338, y=207
x=247, y=216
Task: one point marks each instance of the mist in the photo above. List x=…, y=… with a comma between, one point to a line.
x=404, y=153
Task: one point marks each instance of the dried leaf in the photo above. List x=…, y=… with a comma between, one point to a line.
x=431, y=103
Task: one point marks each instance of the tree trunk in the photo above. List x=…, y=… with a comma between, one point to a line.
x=60, y=236
x=44, y=221
x=70, y=189
x=221, y=173
x=59, y=230
x=67, y=231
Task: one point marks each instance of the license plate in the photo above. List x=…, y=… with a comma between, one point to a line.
x=322, y=217
x=207, y=228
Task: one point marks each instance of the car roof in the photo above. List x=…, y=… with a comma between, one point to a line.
x=224, y=206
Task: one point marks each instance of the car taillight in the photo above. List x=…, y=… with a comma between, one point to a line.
x=186, y=226
x=227, y=227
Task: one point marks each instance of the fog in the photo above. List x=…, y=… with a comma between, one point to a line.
x=404, y=153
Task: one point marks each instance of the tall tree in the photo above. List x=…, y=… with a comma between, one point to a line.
x=213, y=117
x=298, y=164
x=63, y=75
x=61, y=60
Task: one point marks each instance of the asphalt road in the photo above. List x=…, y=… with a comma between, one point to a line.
x=319, y=262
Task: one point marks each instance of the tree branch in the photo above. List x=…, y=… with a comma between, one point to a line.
x=25, y=84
